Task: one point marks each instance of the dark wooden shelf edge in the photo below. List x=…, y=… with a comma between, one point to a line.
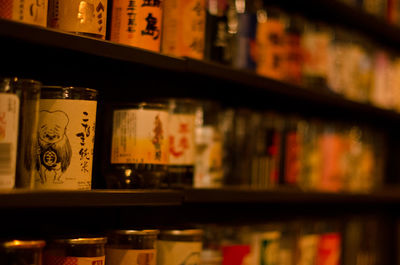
x=243, y=195
x=78, y=43
x=92, y=198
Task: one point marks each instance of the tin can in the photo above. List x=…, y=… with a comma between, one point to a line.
x=179, y=247
x=84, y=17
x=181, y=142
x=129, y=247
x=19, y=104
x=137, y=23
x=184, y=28
x=139, y=146
x=28, y=11
x=20, y=252
x=76, y=251
x=66, y=132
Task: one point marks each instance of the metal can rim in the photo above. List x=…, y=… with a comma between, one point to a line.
x=185, y=232
x=82, y=240
x=134, y=232
x=23, y=244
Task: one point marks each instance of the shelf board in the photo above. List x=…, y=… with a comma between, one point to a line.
x=287, y=196
x=93, y=198
x=49, y=37
x=188, y=196
x=248, y=84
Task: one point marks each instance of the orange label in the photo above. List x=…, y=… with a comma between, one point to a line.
x=270, y=48
x=137, y=23
x=139, y=136
x=28, y=11
x=80, y=16
x=184, y=28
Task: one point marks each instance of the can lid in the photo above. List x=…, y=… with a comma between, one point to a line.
x=23, y=244
x=82, y=241
x=185, y=232
x=135, y=232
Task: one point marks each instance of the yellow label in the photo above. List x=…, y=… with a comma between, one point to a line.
x=65, y=144
x=316, y=46
x=184, y=28
x=28, y=11
x=139, y=136
x=130, y=256
x=137, y=23
x=9, y=117
x=208, y=163
x=178, y=253
x=81, y=16
x=181, y=139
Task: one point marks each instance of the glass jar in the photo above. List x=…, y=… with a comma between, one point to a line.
x=138, y=156
x=181, y=142
x=19, y=252
x=127, y=247
x=19, y=105
x=78, y=250
x=66, y=132
x=176, y=247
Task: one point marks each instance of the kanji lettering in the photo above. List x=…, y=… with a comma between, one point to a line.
x=151, y=28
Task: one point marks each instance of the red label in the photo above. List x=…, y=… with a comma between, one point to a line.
x=292, y=162
x=329, y=249
x=235, y=254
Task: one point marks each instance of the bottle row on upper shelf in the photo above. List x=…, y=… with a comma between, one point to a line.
x=244, y=34
x=48, y=138
x=388, y=10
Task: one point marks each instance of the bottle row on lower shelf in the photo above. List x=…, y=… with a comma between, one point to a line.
x=300, y=242
x=49, y=140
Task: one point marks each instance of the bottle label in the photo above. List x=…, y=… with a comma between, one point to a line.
x=65, y=143
x=139, y=137
x=137, y=23
x=9, y=117
x=308, y=249
x=79, y=16
x=270, y=48
x=178, y=253
x=184, y=28
x=130, y=256
x=28, y=11
x=294, y=60
x=266, y=247
x=329, y=249
x=292, y=163
x=56, y=260
x=181, y=139
x=316, y=48
x=208, y=164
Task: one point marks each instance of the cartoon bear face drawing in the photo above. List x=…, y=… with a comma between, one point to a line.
x=54, y=156
x=52, y=126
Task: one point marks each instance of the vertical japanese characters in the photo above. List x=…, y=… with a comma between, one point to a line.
x=137, y=23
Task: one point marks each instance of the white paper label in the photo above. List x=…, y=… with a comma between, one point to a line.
x=65, y=144
x=130, y=256
x=181, y=139
x=9, y=111
x=178, y=253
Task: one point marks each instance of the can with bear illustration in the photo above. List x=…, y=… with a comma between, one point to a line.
x=179, y=247
x=65, y=138
x=138, y=145
x=131, y=247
